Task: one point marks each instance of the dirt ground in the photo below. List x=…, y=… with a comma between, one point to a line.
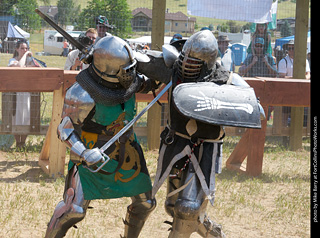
x=275, y=204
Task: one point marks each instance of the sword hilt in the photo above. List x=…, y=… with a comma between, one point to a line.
x=107, y=159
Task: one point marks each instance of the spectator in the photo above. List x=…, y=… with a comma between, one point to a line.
x=258, y=65
x=176, y=37
x=177, y=41
x=21, y=106
x=65, y=48
x=285, y=67
x=103, y=26
x=227, y=56
x=261, y=32
x=73, y=62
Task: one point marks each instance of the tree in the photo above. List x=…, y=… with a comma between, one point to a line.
x=116, y=11
x=6, y=6
x=234, y=28
x=224, y=27
x=285, y=29
x=68, y=12
x=26, y=16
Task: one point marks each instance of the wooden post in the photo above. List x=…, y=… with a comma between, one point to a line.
x=154, y=124
x=158, y=23
x=52, y=157
x=299, y=69
x=251, y=145
x=157, y=40
x=256, y=148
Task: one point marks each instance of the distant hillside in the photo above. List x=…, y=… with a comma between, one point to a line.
x=285, y=9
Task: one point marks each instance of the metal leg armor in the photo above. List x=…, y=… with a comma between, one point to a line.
x=71, y=209
x=188, y=207
x=137, y=213
x=210, y=229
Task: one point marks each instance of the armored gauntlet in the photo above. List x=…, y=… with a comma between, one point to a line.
x=67, y=134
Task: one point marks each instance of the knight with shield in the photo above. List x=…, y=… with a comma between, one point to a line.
x=204, y=97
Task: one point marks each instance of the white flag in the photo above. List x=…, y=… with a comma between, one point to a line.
x=258, y=11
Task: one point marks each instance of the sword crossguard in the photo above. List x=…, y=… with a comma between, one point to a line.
x=107, y=159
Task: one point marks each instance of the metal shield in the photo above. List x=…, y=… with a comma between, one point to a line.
x=224, y=105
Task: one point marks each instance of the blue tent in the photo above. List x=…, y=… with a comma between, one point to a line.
x=280, y=42
x=12, y=32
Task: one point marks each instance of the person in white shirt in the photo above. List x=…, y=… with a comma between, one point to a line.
x=285, y=67
x=285, y=70
x=227, y=56
x=21, y=116
x=73, y=62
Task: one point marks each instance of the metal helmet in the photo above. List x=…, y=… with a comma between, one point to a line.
x=113, y=61
x=199, y=51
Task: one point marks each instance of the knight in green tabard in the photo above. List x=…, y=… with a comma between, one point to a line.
x=97, y=106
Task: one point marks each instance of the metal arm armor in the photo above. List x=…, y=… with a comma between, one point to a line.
x=77, y=106
x=67, y=134
x=237, y=80
x=157, y=65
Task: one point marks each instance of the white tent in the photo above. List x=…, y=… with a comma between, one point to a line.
x=22, y=32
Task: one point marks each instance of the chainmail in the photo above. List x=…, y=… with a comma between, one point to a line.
x=105, y=95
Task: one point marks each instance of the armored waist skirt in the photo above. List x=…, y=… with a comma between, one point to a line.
x=205, y=156
x=131, y=179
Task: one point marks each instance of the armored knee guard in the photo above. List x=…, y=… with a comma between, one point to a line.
x=69, y=211
x=172, y=184
x=189, y=206
x=137, y=213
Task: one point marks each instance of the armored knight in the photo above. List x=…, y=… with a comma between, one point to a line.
x=204, y=97
x=96, y=107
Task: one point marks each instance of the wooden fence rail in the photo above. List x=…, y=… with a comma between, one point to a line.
x=271, y=92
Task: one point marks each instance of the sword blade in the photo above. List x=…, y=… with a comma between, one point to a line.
x=73, y=41
x=124, y=129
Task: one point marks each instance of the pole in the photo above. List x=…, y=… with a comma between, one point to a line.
x=299, y=69
x=157, y=40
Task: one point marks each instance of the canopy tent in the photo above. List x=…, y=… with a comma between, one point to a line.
x=9, y=34
x=12, y=32
x=22, y=32
x=280, y=42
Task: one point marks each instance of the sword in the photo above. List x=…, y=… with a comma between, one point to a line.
x=85, y=50
x=124, y=129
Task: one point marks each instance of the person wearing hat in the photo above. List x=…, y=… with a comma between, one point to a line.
x=258, y=65
x=177, y=41
x=261, y=32
x=227, y=56
x=102, y=27
x=285, y=66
